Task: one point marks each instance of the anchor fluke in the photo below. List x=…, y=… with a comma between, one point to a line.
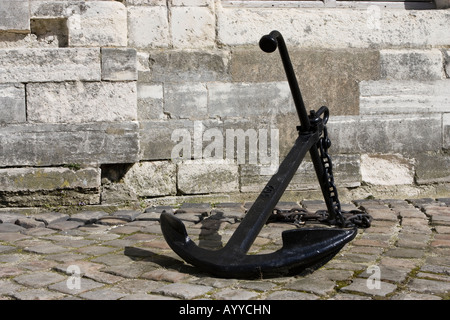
x=302, y=248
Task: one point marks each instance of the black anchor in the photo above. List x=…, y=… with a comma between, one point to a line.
x=302, y=248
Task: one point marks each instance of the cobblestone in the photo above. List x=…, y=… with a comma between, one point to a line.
x=122, y=255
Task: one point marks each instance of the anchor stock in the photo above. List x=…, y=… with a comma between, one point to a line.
x=303, y=247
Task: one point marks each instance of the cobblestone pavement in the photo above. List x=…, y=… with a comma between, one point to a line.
x=405, y=254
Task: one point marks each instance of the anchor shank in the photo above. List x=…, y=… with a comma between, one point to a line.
x=269, y=43
x=262, y=208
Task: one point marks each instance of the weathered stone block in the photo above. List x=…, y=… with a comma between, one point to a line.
x=446, y=130
x=78, y=102
x=346, y=170
x=326, y=77
x=98, y=24
x=406, y=135
x=176, y=139
x=193, y=27
x=411, y=64
x=249, y=99
x=333, y=27
x=155, y=138
x=386, y=169
x=432, y=168
x=150, y=179
x=150, y=101
x=182, y=66
x=15, y=16
x=49, y=179
x=49, y=186
x=119, y=64
x=183, y=101
x=56, y=144
x=53, y=64
x=208, y=176
x=12, y=103
x=404, y=96
x=148, y=27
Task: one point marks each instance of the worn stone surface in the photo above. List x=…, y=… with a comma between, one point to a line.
x=346, y=174
x=404, y=96
x=396, y=134
x=12, y=103
x=360, y=286
x=152, y=178
x=432, y=168
x=52, y=144
x=148, y=27
x=186, y=101
x=35, y=179
x=81, y=102
x=386, y=169
x=98, y=24
x=249, y=99
x=183, y=291
x=207, y=176
x=446, y=130
x=190, y=66
x=193, y=27
x=411, y=64
x=15, y=16
x=150, y=101
x=53, y=64
x=119, y=64
x=155, y=138
x=326, y=77
x=329, y=27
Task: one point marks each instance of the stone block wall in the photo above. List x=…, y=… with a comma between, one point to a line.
x=104, y=102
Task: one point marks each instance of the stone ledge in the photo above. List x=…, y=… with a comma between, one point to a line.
x=333, y=27
x=81, y=102
x=39, y=179
x=404, y=97
x=49, y=64
x=56, y=144
x=406, y=135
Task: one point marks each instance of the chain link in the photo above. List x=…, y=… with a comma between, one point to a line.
x=343, y=219
x=353, y=218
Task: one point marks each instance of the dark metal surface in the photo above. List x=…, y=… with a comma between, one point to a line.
x=302, y=248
